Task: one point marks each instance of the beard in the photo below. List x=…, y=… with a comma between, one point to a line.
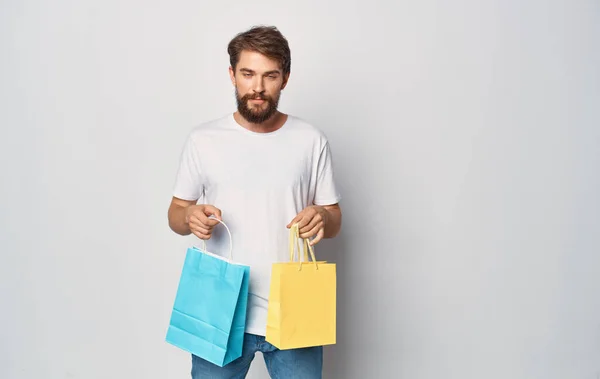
x=255, y=114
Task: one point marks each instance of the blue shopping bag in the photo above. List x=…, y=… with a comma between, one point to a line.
x=209, y=313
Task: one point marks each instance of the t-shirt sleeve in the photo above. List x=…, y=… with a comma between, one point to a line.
x=188, y=181
x=326, y=191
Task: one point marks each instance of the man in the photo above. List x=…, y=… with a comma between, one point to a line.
x=260, y=171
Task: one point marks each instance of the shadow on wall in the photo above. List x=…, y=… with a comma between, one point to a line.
x=334, y=251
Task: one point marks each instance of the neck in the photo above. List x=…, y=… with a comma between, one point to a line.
x=272, y=124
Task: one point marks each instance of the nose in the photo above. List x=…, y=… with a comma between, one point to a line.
x=258, y=85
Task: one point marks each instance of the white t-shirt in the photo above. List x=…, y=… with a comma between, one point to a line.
x=260, y=182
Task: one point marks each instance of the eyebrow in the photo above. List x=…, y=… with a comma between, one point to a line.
x=266, y=73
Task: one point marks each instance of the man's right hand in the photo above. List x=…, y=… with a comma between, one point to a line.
x=197, y=218
x=186, y=217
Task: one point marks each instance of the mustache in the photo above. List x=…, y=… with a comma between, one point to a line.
x=257, y=97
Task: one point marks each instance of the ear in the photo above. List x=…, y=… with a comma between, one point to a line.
x=285, y=81
x=232, y=75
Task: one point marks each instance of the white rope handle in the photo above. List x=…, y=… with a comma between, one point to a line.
x=230, y=238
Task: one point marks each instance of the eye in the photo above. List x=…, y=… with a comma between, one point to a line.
x=247, y=75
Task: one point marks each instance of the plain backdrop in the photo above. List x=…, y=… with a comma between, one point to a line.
x=466, y=140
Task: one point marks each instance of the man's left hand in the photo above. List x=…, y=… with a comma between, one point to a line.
x=311, y=223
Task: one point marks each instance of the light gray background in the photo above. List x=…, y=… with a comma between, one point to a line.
x=466, y=142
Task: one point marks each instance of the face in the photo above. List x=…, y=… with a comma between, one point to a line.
x=258, y=82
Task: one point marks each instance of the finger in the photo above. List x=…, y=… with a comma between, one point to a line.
x=211, y=210
x=295, y=220
x=305, y=220
x=211, y=220
x=201, y=221
x=315, y=221
x=203, y=236
x=312, y=232
x=199, y=229
x=318, y=238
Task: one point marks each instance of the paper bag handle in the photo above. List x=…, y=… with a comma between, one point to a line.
x=294, y=236
x=230, y=238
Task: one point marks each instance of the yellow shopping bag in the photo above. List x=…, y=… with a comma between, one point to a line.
x=302, y=300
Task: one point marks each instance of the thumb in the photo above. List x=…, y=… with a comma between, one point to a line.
x=295, y=220
x=212, y=210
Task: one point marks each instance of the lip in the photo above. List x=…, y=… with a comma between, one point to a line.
x=259, y=101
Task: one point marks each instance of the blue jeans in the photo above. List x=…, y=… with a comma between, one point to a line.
x=305, y=363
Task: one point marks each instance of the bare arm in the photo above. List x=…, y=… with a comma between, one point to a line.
x=334, y=220
x=177, y=216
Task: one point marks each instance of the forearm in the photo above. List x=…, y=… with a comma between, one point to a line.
x=334, y=221
x=177, y=219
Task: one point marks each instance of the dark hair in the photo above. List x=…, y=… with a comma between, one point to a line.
x=266, y=40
